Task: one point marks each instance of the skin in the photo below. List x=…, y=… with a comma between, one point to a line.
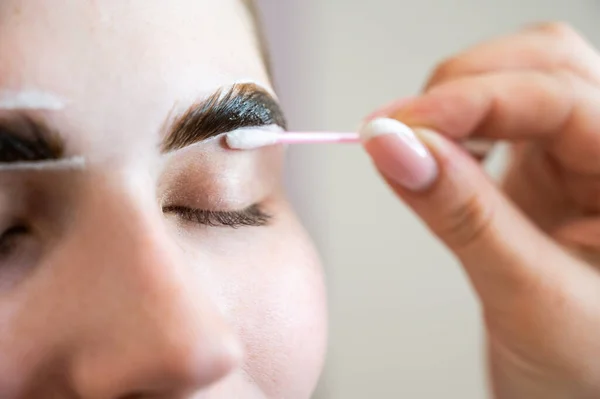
x=116, y=298
x=531, y=247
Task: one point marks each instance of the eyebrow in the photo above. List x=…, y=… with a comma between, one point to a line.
x=241, y=105
x=27, y=139
x=24, y=139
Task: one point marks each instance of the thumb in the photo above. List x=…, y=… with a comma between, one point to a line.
x=498, y=246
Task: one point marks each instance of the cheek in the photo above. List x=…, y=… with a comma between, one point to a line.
x=285, y=333
x=279, y=309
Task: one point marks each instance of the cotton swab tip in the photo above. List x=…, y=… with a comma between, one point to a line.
x=248, y=139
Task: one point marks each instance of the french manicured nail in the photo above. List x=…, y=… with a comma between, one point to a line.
x=399, y=154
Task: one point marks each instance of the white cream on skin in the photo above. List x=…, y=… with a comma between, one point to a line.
x=72, y=163
x=30, y=99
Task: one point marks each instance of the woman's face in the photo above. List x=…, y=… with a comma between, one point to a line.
x=150, y=266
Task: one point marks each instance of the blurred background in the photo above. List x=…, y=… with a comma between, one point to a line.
x=403, y=321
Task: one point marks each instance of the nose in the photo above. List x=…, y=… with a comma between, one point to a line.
x=146, y=327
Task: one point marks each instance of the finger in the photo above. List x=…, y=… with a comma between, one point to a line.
x=531, y=172
x=582, y=237
x=479, y=148
x=497, y=245
x=389, y=108
x=549, y=47
x=560, y=109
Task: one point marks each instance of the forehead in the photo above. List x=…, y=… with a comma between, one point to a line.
x=124, y=58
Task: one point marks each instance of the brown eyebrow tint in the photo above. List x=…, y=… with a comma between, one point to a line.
x=23, y=139
x=242, y=105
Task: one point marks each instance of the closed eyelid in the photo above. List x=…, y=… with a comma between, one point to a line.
x=250, y=216
x=213, y=180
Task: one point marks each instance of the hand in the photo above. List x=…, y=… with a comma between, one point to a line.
x=531, y=248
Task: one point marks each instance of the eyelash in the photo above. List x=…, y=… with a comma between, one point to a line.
x=251, y=216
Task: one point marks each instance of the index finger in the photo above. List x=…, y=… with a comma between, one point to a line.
x=559, y=109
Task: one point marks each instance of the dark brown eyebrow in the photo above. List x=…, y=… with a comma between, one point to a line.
x=242, y=105
x=25, y=139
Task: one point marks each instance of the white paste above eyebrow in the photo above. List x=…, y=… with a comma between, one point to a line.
x=73, y=163
x=30, y=99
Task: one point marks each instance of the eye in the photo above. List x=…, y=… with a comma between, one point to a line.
x=251, y=216
x=20, y=252
x=10, y=240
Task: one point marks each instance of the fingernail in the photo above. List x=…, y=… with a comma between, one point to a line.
x=399, y=154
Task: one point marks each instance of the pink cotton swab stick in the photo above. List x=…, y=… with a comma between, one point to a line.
x=253, y=138
x=248, y=139
x=317, y=137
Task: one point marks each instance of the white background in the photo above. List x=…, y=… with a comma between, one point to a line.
x=404, y=322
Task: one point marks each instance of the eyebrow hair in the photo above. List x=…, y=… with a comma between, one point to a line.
x=24, y=139
x=242, y=105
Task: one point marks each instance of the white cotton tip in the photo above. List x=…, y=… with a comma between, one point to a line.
x=251, y=138
x=381, y=126
x=30, y=99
